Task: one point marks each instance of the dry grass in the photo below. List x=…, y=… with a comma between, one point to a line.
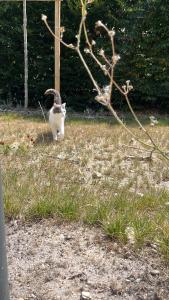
x=89, y=176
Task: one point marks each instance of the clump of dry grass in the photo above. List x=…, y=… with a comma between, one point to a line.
x=89, y=176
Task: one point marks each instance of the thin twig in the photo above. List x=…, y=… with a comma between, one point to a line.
x=42, y=111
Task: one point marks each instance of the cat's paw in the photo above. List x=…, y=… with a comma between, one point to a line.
x=60, y=136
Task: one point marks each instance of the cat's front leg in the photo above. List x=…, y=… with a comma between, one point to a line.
x=54, y=133
x=61, y=131
x=60, y=135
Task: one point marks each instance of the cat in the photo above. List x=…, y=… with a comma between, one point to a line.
x=57, y=115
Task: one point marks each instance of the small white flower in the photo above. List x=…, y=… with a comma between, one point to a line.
x=93, y=43
x=43, y=18
x=71, y=46
x=62, y=29
x=86, y=50
x=104, y=69
x=116, y=58
x=124, y=88
x=140, y=194
x=112, y=32
x=130, y=234
x=130, y=87
x=99, y=23
x=101, y=52
x=127, y=82
x=106, y=72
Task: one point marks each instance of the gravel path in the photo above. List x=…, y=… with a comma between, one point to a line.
x=51, y=261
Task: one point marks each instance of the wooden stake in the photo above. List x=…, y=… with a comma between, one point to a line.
x=25, y=55
x=57, y=44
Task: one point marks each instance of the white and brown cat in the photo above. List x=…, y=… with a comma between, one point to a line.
x=57, y=115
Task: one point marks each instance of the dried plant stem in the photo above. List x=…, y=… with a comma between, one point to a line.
x=57, y=38
x=42, y=111
x=155, y=146
x=126, y=94
x=110, y=107
x=102, y=98
x=77, y=49
x=90, y=74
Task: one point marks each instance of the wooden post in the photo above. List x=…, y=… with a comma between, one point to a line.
x=57, y=44
x=25, y=55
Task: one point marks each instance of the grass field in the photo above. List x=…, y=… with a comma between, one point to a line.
x=95, y=175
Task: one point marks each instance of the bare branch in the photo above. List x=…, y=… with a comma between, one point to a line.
x=105, y=94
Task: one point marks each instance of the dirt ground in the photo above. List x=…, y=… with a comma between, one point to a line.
x=54, y=261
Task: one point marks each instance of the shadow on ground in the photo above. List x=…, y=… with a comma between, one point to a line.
x=44, y=138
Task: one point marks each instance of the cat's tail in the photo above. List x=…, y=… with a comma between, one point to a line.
x=56, y=94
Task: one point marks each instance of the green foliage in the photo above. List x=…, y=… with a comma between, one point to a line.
x=40, y=51
x=142, y=40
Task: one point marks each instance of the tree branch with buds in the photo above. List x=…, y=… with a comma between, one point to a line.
x=104, y=94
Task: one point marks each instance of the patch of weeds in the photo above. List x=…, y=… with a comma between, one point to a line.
x=5, y=149
x=68, y=210
x=59, y=204
x=95, y=212
x=115, y=226
x=163, y=240
x=144, y=229
x=163, y=121
x=42, y=208
x=14, y=149
x=15, y=194
x=151, y=202
x=14, y=116
x=12, y=207
x=122, y=200
x=7, y=116
x=22, y=150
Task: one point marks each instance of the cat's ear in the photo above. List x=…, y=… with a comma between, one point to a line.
x=63, y=105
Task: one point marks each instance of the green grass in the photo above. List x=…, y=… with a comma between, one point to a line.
x=82, y=119
x=87, y=177
x=148, y=215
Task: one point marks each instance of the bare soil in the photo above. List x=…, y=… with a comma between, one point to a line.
x=55, y=261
